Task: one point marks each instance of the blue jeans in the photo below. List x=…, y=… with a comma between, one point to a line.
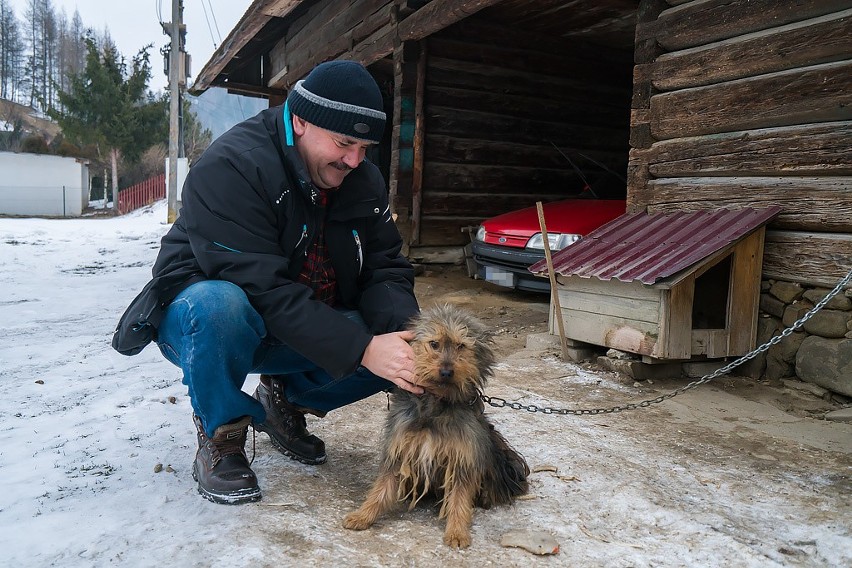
x=212, y=332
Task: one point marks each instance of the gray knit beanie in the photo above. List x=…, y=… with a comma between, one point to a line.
x=343, y=97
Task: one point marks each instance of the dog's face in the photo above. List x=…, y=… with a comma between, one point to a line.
x=452, y=353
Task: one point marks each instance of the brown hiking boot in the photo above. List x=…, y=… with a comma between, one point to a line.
x=286, y=424
x=221, y=467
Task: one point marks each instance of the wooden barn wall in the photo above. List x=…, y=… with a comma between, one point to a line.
x=498, y=103
x=750, y=104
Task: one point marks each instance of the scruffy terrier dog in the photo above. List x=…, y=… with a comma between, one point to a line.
x=440, y=443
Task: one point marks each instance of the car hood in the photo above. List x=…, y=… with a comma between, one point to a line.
x=573, y=216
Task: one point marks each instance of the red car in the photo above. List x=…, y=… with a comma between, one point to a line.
x=507, y=245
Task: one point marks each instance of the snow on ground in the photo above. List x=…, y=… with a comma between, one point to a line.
x=83, y=428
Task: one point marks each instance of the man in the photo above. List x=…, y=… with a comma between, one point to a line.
x=284, y=261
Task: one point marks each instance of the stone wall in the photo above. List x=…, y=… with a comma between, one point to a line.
x=820, y=352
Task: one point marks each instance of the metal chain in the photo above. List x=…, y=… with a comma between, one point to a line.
x=501, y=402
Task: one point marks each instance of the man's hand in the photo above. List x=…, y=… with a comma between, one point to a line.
x=391, y=357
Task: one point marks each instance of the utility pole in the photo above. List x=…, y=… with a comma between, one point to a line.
x=177, y=79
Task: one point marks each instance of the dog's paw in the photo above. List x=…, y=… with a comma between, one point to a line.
x=356, y=521
x=457, y=539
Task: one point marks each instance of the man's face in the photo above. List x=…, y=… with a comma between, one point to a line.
x=328, y=156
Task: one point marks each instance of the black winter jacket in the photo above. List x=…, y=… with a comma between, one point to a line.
x=248, y=217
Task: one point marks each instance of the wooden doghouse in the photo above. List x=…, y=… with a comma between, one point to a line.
x=666, y=286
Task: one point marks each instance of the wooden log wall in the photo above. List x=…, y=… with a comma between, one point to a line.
x=499, y=105
x=749, y=103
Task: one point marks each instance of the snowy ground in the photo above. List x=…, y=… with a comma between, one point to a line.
x=714, y=477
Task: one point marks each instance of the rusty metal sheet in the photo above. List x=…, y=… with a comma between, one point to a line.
x=652, y=247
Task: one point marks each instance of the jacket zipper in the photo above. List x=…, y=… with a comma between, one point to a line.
x=360, y=256
x=302, y=238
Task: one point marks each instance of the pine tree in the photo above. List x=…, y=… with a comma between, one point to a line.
x=108, y=105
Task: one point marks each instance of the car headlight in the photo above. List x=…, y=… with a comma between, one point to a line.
x=480, y=234
x=557, y=241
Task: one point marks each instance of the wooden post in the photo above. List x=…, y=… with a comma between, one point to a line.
x=554, y=293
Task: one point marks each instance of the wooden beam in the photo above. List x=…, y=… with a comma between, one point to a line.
x=419, y=137
x=818, y=259
x=703, y=22
x=810, y=203
x=801, y=44
x=744, y=293
x=819, y=93
x=822, y=149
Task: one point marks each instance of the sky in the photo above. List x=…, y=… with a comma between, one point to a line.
x=96, y=451
x=133, y=24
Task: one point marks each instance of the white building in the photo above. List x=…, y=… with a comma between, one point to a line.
x=39, y=185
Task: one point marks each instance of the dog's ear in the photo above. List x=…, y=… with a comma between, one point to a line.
x=483, y=342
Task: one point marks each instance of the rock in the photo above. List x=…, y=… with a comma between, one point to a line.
x=787, y=291
x=794, y=312
x=537, y=542
x=772, y=305
x=827, y=363
x=828, y=323
x=842, y=415
x=798, y=385
x=777, y=368
x=767, y=328
x=839, y=302
x=639, y=371
x=781, y=358
x=787, y=348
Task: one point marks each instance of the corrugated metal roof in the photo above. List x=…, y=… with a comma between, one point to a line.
x=651, y=247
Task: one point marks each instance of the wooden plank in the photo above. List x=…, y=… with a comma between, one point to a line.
x=616, y=288
x=439, y=14
x=810, y=42
x=367, y=42
x=817, y=259
x=706, y=21
x=405, y=58
x=574, y=106
x=819, y=93
x=810, y=203
x=676, y=321
x=529, y=58
x=483, y=31
x=451, y=149
x=638, y=176
x=800, y=150
x=744, y=294
x=610, y=331
x=610, y=305
x=710, y=342
x=450, y=121
x=419, y=137
x=487, y=78
x=482, y=205
x=485, y=178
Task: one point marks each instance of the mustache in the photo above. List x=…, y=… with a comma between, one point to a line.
x=340, y=166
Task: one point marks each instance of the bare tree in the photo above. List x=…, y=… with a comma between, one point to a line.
x=11, y=52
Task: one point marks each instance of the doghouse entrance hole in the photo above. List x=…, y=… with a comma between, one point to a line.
x=710, y=303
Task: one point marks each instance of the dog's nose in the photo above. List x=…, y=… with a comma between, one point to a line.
x=446, y=372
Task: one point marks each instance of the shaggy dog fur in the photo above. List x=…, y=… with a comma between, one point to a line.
x=440, y=443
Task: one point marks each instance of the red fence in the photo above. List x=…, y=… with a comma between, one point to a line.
x=142, y=194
